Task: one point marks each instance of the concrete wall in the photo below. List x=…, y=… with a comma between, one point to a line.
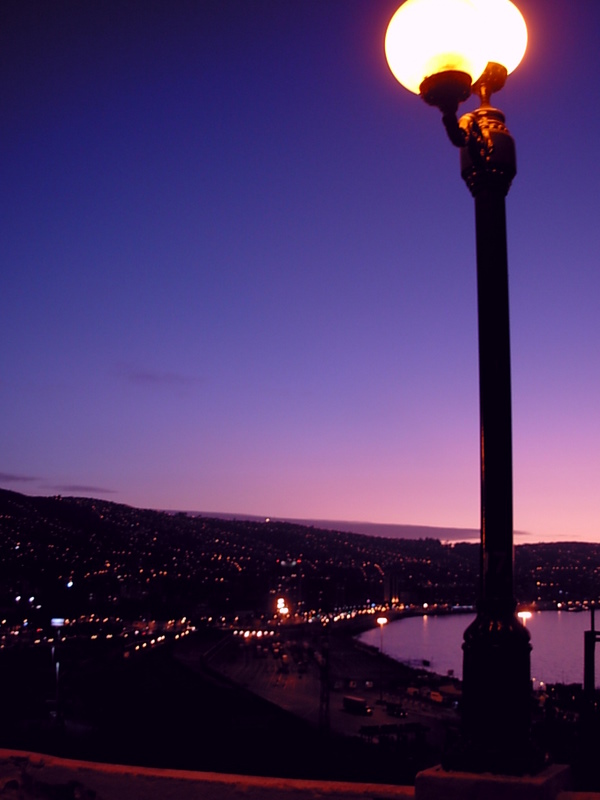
x=25, y=775
x=29, y=775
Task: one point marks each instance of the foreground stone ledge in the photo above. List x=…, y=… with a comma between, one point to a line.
x=25, y=775
x=550, y=784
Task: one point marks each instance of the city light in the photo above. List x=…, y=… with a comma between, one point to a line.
x=282, y=607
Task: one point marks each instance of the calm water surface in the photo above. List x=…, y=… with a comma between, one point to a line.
x=556, y=637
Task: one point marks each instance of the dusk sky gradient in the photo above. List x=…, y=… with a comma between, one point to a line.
x=238, y=266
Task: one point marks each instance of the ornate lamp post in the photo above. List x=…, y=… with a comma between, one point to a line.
x=446, y=50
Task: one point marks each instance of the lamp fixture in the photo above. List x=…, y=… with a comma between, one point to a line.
x=446, y=49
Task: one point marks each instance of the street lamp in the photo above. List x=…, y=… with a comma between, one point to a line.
x=57, y=623
x=447, y=50
x=381, y=621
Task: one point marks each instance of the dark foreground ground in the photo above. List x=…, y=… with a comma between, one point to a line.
x=210, y=704
x=168, y=708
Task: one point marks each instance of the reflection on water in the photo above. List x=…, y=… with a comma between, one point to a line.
x=556, y=638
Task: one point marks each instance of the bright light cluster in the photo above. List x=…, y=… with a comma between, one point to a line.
x=426, y=37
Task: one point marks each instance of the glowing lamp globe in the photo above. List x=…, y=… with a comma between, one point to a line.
x=428, y=37
x=505, y=32
x=440, y=48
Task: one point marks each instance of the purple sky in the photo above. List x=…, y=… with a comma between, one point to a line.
x=238, y=266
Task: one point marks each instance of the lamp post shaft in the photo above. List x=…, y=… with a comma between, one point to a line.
x=495, y=404
x=381, y=663
x=496, y=650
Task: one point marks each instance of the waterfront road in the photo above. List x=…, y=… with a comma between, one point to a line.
x=293, y=676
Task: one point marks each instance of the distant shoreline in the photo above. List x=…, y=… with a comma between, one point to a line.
x=386, y=530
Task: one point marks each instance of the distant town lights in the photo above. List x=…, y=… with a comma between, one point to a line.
x=282, y=606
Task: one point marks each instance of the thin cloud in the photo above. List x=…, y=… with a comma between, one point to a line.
x=158, y=378
x=9, y=477
x=79, y=489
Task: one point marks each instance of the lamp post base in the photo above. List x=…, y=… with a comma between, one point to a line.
x=497, y=698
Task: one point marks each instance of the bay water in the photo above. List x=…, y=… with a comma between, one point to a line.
x=556, y=638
